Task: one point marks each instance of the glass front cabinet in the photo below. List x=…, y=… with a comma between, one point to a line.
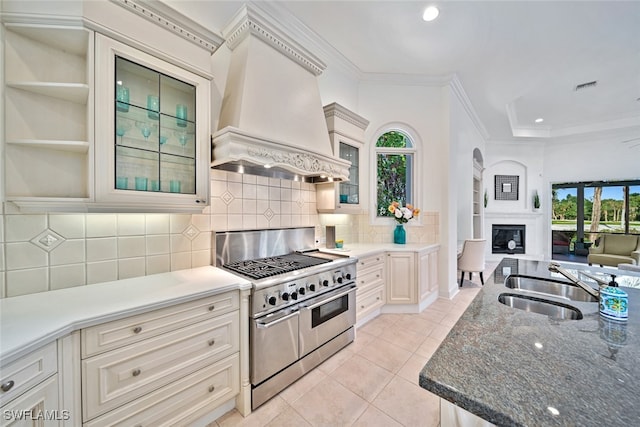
x=152, y=131
x=346, y=132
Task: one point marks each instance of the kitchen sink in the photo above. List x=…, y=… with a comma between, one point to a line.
x=553, y=309
x=550, y=287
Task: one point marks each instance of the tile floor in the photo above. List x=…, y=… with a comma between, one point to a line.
x=374, y=380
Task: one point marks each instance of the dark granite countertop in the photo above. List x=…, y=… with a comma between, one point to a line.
x=512, y=367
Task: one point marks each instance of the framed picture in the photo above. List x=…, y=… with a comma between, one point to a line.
x=506, y=187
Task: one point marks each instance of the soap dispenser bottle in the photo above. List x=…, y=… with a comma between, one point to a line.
x=614, y=302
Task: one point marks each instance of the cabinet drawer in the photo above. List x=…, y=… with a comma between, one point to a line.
x=37, y=407
x=182, y=401
x=19, y=376
x=369, y=280
x=370, y=261
x=118, y=333
x=119, y=376
x=370, y=301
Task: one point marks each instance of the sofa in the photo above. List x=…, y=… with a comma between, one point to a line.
x=614, y=249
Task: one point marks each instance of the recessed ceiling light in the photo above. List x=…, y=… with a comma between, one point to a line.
x=430, y=13
x=539, y=120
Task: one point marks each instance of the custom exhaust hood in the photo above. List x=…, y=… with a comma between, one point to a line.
x=272, y=122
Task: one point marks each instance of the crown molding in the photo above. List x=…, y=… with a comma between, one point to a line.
x=461, y=94
x=172, y=20
x=250, y=21
x=337, y=110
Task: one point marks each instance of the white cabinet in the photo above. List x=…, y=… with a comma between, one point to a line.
x=29, y=389
x=346, y=132
x=412, y=277
x=401, y=278
x=167, y=367
x=76, y=140
x=153, y=131
x=370, y=294
x=48, y=106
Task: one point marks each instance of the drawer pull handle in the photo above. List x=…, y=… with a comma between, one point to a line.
x=378, y=298
x=211, y=342
x=7, y=386
x=136, y=372
x=362, y=306
x=212, y=307
x=137, y=329
x=377, y=275
x=211, y=388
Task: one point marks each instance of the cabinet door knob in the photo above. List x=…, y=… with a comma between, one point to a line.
x=7, y=386
x=137, y=329
x=211, y=388
x=362, y=306
x=136, y=372
x=211, y=342
x=212, y=307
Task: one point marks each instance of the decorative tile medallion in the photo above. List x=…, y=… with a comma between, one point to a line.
x=227, y=197
x=48, y=240
x=268, y=214
x=191, y=232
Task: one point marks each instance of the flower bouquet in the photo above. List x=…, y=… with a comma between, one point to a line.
x=403, y=214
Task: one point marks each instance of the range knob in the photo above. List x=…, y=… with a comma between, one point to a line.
x=294, y=296
x=301, y=291
x=272, y=300
x=339, y=279
x=348, y=276
x=325, y=283
x=312, y=287
x=285, y=296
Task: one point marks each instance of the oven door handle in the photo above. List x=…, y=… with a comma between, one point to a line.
x=265, y=325
x=323, y=298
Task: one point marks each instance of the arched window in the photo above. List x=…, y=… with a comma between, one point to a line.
x=395, y=170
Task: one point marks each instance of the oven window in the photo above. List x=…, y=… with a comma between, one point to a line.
x=328, y=311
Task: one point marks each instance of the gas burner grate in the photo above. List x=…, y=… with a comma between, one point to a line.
x=272, y=266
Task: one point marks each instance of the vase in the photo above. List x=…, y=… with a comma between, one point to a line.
x=399, y=235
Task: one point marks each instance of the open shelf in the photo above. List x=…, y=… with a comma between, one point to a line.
x=73, y=146
x=73, y=92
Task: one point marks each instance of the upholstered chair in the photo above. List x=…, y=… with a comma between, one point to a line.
x=471, y=259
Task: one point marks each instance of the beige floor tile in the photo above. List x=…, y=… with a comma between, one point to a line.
x=374, y=417
x=450, y=319
x=403, y=338
x=258, y=418
x=415, y=323
x=363, y=377
x=289, y=418
x=362, y=339
x=330, y=403
x=304, y=384
x=379, y=324
x=434, y=316
x=409, y=404
x=440, y=332
x=411, y=370
x=337, y=359
x=385, y=354
x=428, y=347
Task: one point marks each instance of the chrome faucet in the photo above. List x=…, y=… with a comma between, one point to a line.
x=555, y=267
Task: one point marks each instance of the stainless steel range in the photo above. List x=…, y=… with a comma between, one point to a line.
x=303, y=303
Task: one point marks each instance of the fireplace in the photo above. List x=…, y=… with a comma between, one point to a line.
x=508, y=239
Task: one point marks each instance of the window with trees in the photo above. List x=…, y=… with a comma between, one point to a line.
x=395, y=165
x=581, y=211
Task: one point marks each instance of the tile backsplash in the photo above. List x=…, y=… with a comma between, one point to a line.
x=49, y=251
x=42, y=252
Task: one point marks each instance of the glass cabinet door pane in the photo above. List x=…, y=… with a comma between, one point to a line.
x=155, y=131
x=349, y=191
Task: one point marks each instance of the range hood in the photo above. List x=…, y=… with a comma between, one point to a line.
x=272, y=121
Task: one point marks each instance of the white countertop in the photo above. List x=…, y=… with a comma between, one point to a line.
x=366, y=249
x=30, y=321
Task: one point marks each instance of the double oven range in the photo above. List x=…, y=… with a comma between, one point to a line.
x=303, y=303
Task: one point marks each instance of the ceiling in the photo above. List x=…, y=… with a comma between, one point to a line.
x=517, y=60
